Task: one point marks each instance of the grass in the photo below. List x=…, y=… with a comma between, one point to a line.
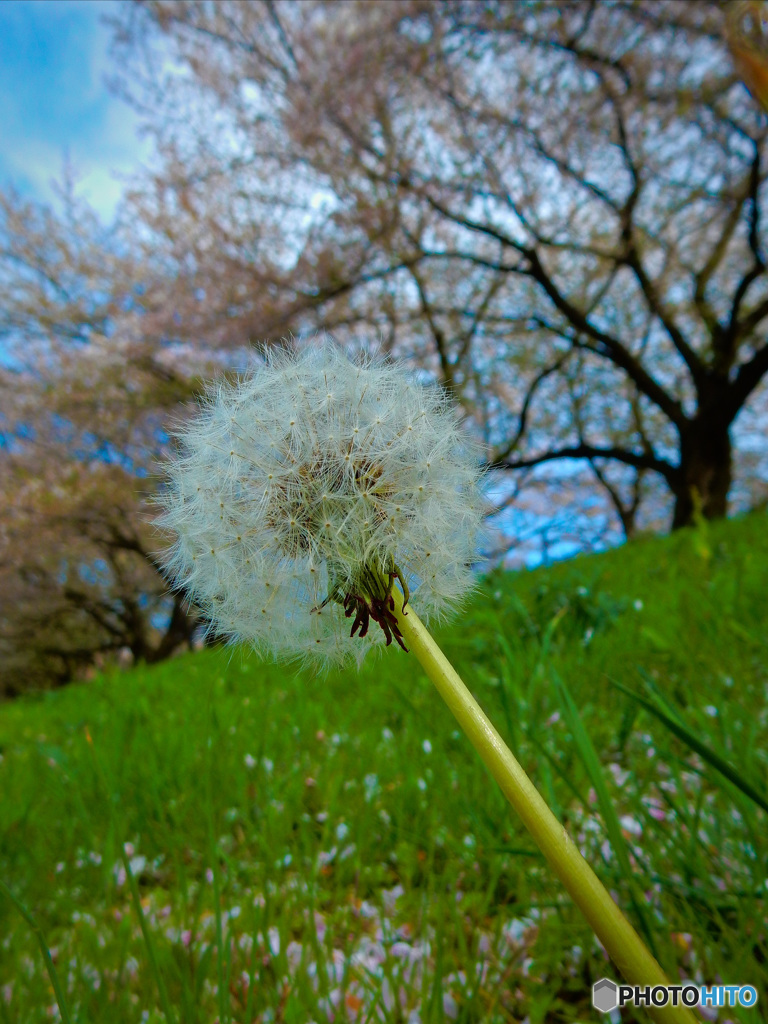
x=214, y=839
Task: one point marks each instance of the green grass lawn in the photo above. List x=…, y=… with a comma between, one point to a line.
x=301, y=850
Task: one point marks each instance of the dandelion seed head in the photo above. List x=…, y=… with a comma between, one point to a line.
x=301, y=478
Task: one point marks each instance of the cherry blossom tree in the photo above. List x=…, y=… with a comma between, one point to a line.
x=83, y=402
x=555, y=209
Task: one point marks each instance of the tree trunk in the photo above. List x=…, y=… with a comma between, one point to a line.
x=705, y=473
x=179, y=631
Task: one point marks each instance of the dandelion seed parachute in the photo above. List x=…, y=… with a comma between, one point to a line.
x=301, y=479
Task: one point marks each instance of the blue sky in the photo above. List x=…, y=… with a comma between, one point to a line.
x=53, y=101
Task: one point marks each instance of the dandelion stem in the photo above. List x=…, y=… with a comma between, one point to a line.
x=621, y=941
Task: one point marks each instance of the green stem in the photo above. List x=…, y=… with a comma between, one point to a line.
x=620, y=940
x=47, y=958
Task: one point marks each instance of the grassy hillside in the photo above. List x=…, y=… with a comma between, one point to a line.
x=312, y=851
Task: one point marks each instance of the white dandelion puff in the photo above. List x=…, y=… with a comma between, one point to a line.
x=305, y=488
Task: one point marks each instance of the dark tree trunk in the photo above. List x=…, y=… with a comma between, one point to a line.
x=179, y=631
x=705, y=470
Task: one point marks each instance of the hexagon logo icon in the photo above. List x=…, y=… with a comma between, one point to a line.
x=605, y=995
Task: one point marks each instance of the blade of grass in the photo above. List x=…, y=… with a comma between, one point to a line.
x=151, y=953
x=47, y=958
x=591, y=762
x=556, y=766
x=107, y=788
x=213, y=852
x=679, y=729
x=436, y=1009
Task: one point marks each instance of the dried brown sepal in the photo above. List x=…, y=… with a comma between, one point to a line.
x=370, y=597
x=381, y=610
